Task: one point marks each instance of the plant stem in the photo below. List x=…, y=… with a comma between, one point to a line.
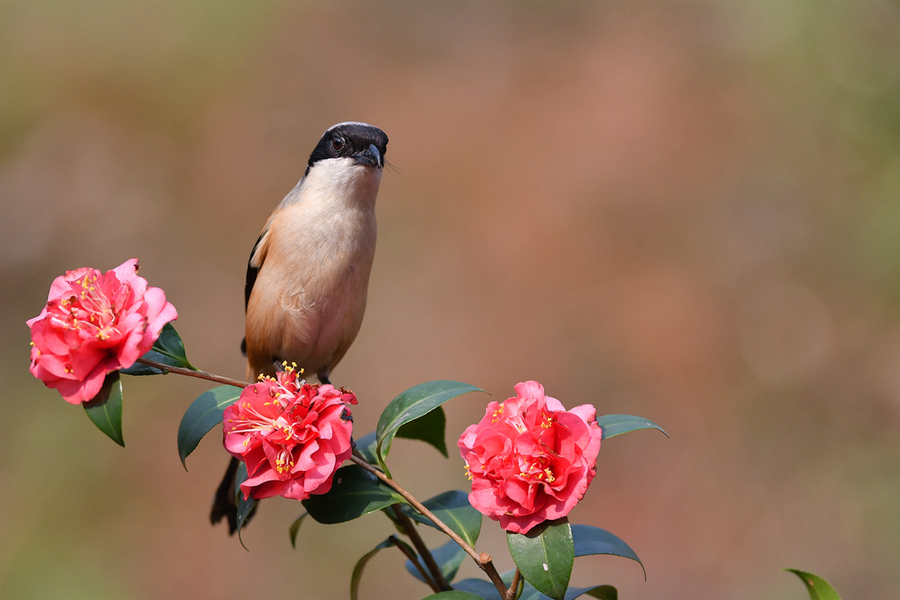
x=487, y=565
x=415, y=561
x=483, y=560
x=191, y=373
x=409, y=527
x=417, y=505
x=514, y=586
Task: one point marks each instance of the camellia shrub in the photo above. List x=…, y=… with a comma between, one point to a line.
x=530, y=460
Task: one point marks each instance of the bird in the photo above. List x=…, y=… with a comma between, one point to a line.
x=308, y=273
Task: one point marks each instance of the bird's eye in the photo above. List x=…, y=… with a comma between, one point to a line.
x=337, y=142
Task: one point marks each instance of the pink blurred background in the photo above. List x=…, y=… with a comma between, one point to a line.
x=687, y=211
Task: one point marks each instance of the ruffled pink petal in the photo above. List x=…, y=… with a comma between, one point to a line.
x=48, y=339
x=69, y=389
x=325, y=486
x=263, y=486
x=530, y=389
x=158, y=312
x=62, y=285
x=77, y=392
x=93, y=383
x=86, y=361
x=293, y=490
x=50, y=366
x=522, y=524
x=554, y=405
x=131, y=347
x=127, y=274
x=40, y=317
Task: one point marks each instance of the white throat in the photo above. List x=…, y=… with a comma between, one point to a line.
x=337, y=182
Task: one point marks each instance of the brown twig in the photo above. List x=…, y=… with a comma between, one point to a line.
x=410, y=529
x=487, y=565
x=191, y=373
x=514, y=586
x=415, y=561
x=483, y=560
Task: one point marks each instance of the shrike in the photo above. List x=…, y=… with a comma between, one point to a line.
x=308, y=274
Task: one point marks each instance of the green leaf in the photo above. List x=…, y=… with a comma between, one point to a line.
x=818, y=588
x=168, y=350
x=448, y=557
x=295, y=527
x=243, y=511
x=428, y=428
x=481, y=588
x=588, y=540
x=366, y=448
x=613, y=425
x=355, y=492
x=105, y=409
x=454, y=510
x=529, y=593
x=356, y=577
x=545, y=556
x=603, y=592
x=244, y=507
x=593, y=540
x=141, y=369
x=202, y=415
x=454, y=595
x=412, y=404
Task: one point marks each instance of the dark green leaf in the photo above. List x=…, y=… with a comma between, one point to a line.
x=545, y=556
x=295, y=527
x=356, y=577
x=366, y=448
x=481, y=588
x=168, y=350
x=244, y=507
x=105, y=409
x=355, y=492
x=202, y=415
x=449, y=557
x=428, y=428
x=603, y=592
x=142, y=369
x=454, y=510
x=454, y=595
x=593, y=540
x=529, y=593
x=170, y=345
x=818, y=588
x=412, y=404
x=617, y=424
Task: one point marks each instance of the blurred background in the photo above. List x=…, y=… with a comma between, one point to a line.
x=687, y=211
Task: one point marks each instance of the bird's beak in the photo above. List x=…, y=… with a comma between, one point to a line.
x=370, y=157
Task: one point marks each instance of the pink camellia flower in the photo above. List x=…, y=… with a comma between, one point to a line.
x=94, y=324
x=292, y=435
x=530, y=460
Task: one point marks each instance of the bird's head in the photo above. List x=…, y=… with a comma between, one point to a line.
x=361, y=143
